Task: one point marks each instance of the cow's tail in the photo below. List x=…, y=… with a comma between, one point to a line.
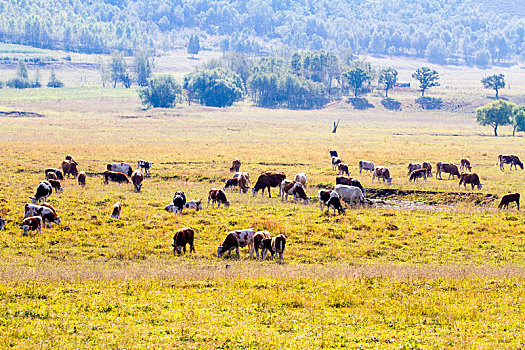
x=499, y=160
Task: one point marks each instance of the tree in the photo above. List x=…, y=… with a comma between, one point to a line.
x=518, y=119
x=142, y=69
x=193, y=45
x=356, y=77
x=117, y=68
x=482, y=58
x=495, y=114
x=495, y=82
x=219, y=87
x=53, y=81
x=388, y=78
x=21, y=70
x=437, y=51
x=161, y=91
x=427, y=78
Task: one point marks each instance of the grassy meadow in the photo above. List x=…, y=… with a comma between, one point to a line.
x=429, y=271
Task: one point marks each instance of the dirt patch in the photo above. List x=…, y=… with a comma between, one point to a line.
x=17, y=114
x=430, y=197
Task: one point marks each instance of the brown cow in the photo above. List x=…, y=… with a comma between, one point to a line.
x=218, y=196
x=449, y=168
x=343, y=180
x=257, y=241
x=82, y=179
x=296, y=189
x=470, y=178
x=236, y=165
x=509, y=198
x=69, y=168
x=115, y=176
x=51, y=176
x=416, y=174
x=243, y=183
x=181, y=238
x=56, y=185
x=381, y=173
x=343, y=169
x=464, y=164
x=413, y=166
x=266, y=180
x=137, y=177
x=57, y=172
x=428, y=166
x=32, y=223
x=275, y=245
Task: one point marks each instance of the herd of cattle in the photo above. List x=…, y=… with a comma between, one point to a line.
x=347, y=190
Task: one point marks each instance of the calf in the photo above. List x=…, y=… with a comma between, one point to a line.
x=194, y=204
x=343, y=180
x=464, y=164
x=268, y=179
x=295, y=189
x=257, y=241
x=236, y=165
x=143, y=165
x=51, y=176
x=43, y=191
x=82, y=179
x=236, y=239
x=416, y=174
x=382, y=173
x=343, y=169
x=117, y=209
x=217, y=196
x=301, y=177
x=181, y=238
x=124, y=168
x=331, y=200
x=449, y=168
x=58, y=173
x=509, y=198
x=275, y=245
x=470, y=178
x=413, y=166
x=231, y=183
x=115, y=177
x=137, y=177
x=349, y=193
x=45, y=211
x=509, y=159
x=179, y=200
x=366, y=165
x=32, y=223
x=70, y=168
x=335, y=162
x=428, y=166
x=2, y=224
x=56, y=185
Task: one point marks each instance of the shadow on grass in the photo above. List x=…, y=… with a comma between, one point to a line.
x=360, y=103
x=391, y=104
x=430, y=102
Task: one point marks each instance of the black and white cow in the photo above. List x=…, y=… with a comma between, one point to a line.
x=143, y=165
x=331, y=200
x=43, y=191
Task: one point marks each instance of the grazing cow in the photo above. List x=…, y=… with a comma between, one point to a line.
x=509, y=159
x=382, y=173
x=413, y=166
x=117, y=209
x=331, y=200
x=45, y=211
x=179, y=200
x=56, y=185
x=335, y=162
x=124, y=168
x=275, y=245
x=428, y=166
x=343, y=180
x=416, y=174
x=266, y=180
x=449, y=168
x=343, y=169
x=57, y=172
x=366, y=165
x=509, y=198
x=257, y=241
x=69, y=158
x=137, y=177
x=43, y=191
x=302, y=178
x=238, y=174
x=217, y=196
x=236, y=239
x=231, y=183
x=143, y=165
x=32, y=223
x=333, y=154
x=243, y=183
x=349, y=193
x=51, y=176
x=194, y=204
x=464, y=164
x=115, y=176
x=2, y=224
x=236, y=165
x=181, y=238
x=70, y=168
x=82, y=179
x=470, y=178
x=296, y=189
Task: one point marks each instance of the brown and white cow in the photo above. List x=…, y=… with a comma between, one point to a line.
x=70, y=168
x=32, y=223
x=243, y=181
x=335, y=162
x=470, y=178
x=137, y=177
x=381, y=173
x=57, y=172
x=182, y=237
x=428, y=166
x=236, y=239
x=117, y=209
x=343, y=169
x=51, y=176
x=509, y=159
x=257, y=241
x=218, y=196
x=464, y=165
x=236, y=165
x=449, y=168
x=115, y=177
x=82, y=179
x=268, y=179
x=295, y=189
x=275, y=246
x=413, y=166
x=56, y=185
x=509, y=198
x=45, y=211
x=418, y=173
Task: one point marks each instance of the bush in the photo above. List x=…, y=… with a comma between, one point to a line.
x=162, y=91
x=19, y=83
x=54, y=82
x=219, y=87
x=391, y=104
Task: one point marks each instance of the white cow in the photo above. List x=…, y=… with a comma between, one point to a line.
x=366, y=165
x=124, y=168
x=195, y=204
x=349, y=193
x=301, y=177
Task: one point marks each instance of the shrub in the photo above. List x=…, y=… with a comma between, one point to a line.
x=162, y=91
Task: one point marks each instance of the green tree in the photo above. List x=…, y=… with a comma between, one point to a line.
x=21, y=70
x=495, y=82
x=142, y=69
x=193, y=45
x=356, y=78
x=437, y=51
x=162, y=91
x=495, y=114
x=53, y=81
x=427, y=78
x=117, y=68
x=219, y=87
x=388, y=78
x=518, y=119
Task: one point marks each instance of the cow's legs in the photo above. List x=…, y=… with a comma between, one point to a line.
x=207, y=205
x=237, y=251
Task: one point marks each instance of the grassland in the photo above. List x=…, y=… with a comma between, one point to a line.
x=449, y=275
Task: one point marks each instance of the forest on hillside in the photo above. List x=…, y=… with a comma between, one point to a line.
x=454, y=32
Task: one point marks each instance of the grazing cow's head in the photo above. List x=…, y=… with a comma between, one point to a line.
x=26, y=229
x=227, y=204
x=479, y=186
x=33, y=200
x=199, y=204
x=389, y=181
x=219, y=251
x=57, y=220
x=254, y=192
x=520, y=164
x=176, y=249
x=2, y=224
